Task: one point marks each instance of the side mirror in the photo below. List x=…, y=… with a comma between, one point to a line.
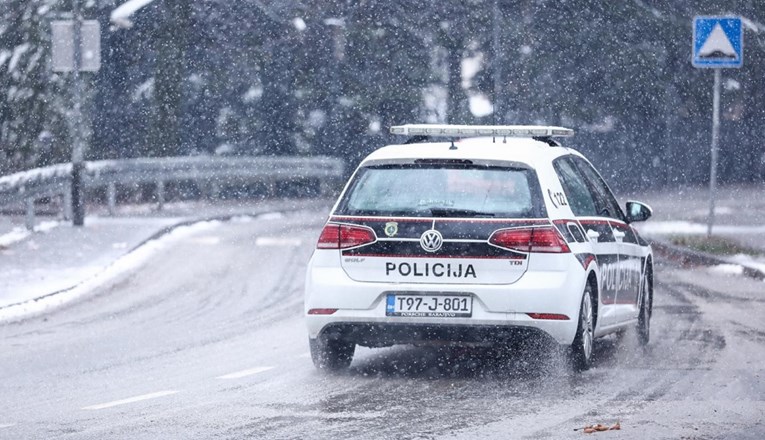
x=638, y=212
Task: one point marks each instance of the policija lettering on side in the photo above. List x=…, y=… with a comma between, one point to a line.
x=427, y=269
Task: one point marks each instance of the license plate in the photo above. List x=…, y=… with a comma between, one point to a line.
x=429, y=306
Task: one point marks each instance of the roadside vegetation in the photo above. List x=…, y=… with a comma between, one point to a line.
x=713, y=245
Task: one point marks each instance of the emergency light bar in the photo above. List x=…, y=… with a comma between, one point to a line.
x=445, y=130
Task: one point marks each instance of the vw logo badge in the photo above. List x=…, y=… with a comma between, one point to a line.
x=431, y=240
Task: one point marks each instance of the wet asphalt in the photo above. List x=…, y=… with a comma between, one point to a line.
x=206, y=340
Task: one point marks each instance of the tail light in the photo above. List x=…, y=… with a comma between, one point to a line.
x=544, y=239
x=335, y=236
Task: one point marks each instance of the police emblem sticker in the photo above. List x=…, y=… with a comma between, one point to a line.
x=391, y=229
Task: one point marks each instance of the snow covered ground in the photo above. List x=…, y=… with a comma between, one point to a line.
x=18, y=233
x=60, y=259
x=70, y=283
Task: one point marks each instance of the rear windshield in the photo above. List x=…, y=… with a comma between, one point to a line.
x=437, y=190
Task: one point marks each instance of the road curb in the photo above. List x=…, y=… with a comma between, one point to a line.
x=690, y=256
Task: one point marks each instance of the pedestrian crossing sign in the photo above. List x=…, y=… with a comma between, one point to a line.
x=718, y=42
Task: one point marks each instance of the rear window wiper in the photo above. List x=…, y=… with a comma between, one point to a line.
x=448, y=212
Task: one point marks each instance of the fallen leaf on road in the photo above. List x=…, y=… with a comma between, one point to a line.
x=589, y=429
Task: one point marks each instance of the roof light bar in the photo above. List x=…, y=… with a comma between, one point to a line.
x=445, y=130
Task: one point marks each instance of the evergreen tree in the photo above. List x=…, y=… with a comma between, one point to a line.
x=26, y=87
x=318, y=77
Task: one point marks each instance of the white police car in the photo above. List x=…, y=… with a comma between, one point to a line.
x=500, y=234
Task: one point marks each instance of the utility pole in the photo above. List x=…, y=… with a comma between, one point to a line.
x=78, y=153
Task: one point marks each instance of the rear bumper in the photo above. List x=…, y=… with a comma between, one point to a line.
x=360, y=306
x=372, y=329
x=386, y=334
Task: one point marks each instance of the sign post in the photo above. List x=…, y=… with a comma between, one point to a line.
x=718, y=42
x=76, y=47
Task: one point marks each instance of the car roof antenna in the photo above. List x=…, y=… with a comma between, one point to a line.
x=453, y=147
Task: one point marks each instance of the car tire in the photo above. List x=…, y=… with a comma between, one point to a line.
x=581, y=351
x=331, y=354
x=644, y=318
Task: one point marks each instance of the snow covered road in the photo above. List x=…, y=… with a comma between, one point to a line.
x=206, y=340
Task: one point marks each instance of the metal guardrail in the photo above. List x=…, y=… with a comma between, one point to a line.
x=28, y=186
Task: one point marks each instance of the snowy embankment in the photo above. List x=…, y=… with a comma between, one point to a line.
x=121, y=266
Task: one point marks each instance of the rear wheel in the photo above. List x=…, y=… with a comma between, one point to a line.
x=644, y=318
x=581, y=349
x=331, y=354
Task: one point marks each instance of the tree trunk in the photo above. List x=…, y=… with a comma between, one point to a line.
x=168, y=79
x=456, y=94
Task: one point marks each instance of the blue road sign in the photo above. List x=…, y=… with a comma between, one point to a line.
x=718, y=42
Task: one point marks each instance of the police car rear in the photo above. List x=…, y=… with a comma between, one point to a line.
x=447, y=242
